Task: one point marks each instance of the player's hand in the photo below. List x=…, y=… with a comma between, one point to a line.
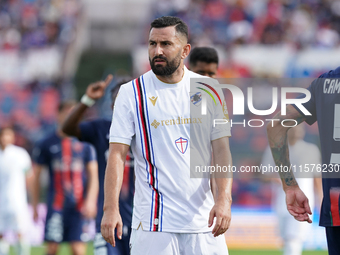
x=97, y=89
x=297, y=204
x=222, y=212
x=35, y=214
x=110, y=221
x=89, y=209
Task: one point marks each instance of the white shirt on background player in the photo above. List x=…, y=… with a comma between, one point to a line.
x=185, y=202
x=14, y=163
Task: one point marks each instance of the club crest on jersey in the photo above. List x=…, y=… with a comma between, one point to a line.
x=196, y=98
x=182, y=144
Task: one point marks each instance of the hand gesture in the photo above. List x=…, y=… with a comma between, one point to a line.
x=97, y=89
x=111, y=220
x=222, y=212
x=35, y=213
x=297, y=204
x=89, y=209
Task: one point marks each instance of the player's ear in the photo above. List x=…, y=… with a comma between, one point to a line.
x=186, y=50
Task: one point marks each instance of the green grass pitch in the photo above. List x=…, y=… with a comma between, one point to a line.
x=64, y=250
x=269, y=252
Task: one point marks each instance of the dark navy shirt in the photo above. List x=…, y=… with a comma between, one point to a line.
x=96, y=132
x=66, y=159
x=324, y=106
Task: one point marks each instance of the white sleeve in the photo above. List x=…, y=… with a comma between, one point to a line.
x=26, y=161
x=220, y=112
x=123, y=127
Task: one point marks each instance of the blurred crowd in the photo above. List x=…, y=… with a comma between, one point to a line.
x=298, y=23
x=36, y=34
x=31, y=24
x=30, y=112
x=34, y=39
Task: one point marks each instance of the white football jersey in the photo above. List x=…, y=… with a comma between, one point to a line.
x=14, y=163
x=154, y=118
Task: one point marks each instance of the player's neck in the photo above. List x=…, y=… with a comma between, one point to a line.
x=3, y=146
x=176, y=77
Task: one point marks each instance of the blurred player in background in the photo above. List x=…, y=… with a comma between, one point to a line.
x=293, y=232
x=204, y=61
x=73, y=189
x=15, y=171
x=324, y=107
x=173, y=213
x=96, y=132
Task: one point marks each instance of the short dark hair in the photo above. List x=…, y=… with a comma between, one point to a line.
x=203, y=54
x=168, y=21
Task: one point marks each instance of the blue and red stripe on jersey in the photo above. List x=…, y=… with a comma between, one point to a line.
x=146, y=143
x=68, y=179
x=334, y=195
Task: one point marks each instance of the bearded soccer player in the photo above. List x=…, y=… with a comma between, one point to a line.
x=73, y=190
x=96, y=132
x=173, y=213
x=15, y=171
x=323, y=107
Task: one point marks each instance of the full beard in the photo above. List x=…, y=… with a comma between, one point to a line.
x=168, y=69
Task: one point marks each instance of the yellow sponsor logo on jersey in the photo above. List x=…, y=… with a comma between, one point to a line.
x=153, y=100
x=178, y=121
x=155, y=124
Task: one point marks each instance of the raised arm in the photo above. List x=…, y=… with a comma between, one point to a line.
x=297, y=202
x=36, y=190
x=112, y=185
x=93, y=92
x=222, y=196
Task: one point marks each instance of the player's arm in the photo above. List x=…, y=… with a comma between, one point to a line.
x=112, y=185
x=29, y=173
x=318, y=191
x=213, y=188
x=36, y=189
x=29, y=179
x=297, y=202
x=93, y=92
x=222, y=196
x=267, y=160
x=90, y=206
x=29, y=176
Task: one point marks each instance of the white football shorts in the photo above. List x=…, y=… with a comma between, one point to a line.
x=13, y=221
x=155, y=243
